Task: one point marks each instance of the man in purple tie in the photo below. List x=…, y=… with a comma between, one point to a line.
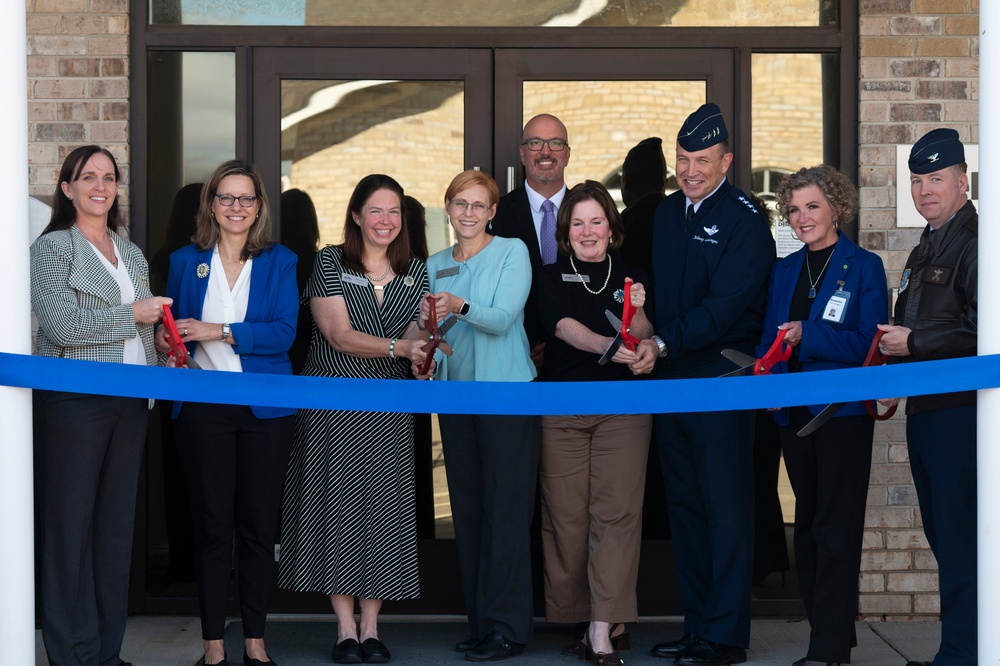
x=529, y=212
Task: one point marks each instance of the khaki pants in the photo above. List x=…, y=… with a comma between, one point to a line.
x=593, y=470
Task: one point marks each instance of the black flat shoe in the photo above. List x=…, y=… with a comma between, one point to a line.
x=494, y=648
x=467, y=644
x=247, y=661
x=201, y=662
x=374, y=651
x=703, y=652
x=621, y=643
x=604, y=658
x=347, y=651
x=671, y=649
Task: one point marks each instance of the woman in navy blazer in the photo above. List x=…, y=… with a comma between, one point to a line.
x=236, y=304
x=829, y=297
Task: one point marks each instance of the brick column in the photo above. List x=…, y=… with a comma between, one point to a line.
x=78, y=87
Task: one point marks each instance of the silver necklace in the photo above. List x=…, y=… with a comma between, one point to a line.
x=812, y=284
x=380, y=277
x=606, y=280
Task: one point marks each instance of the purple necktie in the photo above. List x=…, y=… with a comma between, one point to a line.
x=548, y=237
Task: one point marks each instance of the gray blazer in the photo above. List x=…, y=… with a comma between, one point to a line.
x=77, y=302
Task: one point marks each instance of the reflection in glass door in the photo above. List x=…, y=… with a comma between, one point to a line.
x=335, y=132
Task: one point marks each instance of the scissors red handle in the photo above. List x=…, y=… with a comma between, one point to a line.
x=432, y=343
x=876, y=357
x=628, y=311
x=177, y=349
x=777, y=353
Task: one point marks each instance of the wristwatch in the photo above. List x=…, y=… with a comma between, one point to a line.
x=660, y=345
x=464, y=310
x=225, y=332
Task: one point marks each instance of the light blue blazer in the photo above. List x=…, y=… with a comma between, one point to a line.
x=828, y=345
x=265, y=336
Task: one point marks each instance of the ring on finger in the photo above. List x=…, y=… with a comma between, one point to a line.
x=185, y=332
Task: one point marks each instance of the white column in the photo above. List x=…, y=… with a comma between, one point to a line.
x=17, y=579
x=989, y=334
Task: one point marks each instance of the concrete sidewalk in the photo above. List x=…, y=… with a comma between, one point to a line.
x=427, y=641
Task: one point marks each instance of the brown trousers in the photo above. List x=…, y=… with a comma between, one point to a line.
x=593, y=470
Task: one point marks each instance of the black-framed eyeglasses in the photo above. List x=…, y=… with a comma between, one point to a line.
x=228, y=200
x=555, y=145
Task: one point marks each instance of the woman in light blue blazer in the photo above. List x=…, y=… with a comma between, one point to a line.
x=829, y=297
x=492, y=461
x=236, y=308
x=90, y=292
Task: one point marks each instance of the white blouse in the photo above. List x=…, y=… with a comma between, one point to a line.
x=133, y=352
x=223, y=306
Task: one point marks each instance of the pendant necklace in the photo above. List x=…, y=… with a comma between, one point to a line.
x=606, y=280
x=812, y=283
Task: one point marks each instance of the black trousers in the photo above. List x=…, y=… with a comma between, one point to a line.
x=942, y=447
x=492, y=464
x=829, y=472
x=89, y=451
x=235, y=466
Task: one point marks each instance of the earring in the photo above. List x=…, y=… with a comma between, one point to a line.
x=490, y=224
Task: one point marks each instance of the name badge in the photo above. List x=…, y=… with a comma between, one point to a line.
x=354, y=279
x=573, y=277
x=447, y=272
x=836, y=306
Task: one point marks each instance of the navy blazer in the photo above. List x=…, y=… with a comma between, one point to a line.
x=264, y=337
x=828, y=345
x=513, y=219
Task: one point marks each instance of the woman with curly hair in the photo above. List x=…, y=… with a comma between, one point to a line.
x=829, y=298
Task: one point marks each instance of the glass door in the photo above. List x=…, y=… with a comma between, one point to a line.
x=322, y=118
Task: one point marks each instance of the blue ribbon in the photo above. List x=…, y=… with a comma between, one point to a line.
x=379, y=395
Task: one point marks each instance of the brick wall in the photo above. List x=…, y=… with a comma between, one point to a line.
x=78, y=87
x=919, y=69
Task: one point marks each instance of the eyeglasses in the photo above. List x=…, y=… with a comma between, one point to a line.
x=479, y=208
x=555, y=145
x=228, y=200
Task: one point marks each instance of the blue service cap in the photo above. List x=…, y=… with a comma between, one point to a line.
x=936, y=150
x=702, y=129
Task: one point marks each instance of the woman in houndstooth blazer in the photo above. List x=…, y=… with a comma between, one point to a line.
x=90, y=292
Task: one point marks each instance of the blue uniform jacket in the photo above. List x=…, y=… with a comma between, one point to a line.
x=265, y=336
x=828, y=345
x=711, y=279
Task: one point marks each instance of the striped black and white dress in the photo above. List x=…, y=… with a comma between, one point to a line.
x=349, y=519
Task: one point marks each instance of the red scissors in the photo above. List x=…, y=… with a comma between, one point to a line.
x=436, y=335
x=875, y=357
x=178, y=351
x=762, y=366
x=628, y=311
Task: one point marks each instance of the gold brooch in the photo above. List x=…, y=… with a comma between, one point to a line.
x=202, y=270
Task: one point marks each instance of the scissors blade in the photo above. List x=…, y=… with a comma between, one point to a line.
x=745, y=361
x=615, y=321
x=446, y=325
x=612, y=349
x=820, y=419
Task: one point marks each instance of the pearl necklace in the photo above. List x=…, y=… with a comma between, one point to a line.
x=373, y=280
x=606, y=280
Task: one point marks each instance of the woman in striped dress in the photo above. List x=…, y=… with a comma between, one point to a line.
x=349, y=524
